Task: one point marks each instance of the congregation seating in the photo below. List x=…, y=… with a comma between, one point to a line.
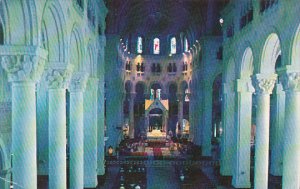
x=133, y=177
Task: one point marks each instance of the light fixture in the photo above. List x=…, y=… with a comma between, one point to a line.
x=110, y=150
x=221, y=21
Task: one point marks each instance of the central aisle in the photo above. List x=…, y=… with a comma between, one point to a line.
x=162, y=177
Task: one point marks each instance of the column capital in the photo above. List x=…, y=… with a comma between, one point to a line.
x=244, y=85
x=78, y=82
x=23, y=63
x=58, y=76
x=291, y=81
x=264, y=83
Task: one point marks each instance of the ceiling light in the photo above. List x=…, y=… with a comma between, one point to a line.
x=221, y=21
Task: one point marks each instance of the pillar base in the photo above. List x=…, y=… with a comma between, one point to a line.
x=92, y=183
x=241, y=184
x=226, y=180
x=101, y=179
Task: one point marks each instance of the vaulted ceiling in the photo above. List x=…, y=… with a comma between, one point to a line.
x=163, y=17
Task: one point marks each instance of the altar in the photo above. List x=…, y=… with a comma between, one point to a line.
x=156, y=134
x=156, y=117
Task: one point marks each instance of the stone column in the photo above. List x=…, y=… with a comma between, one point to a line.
x=191, y=117
x=57, y=79
x=198, y=119
x=78, y=83
x=101, y=127
x=42, y=122
x=131, y=115
x=263, y=87
x=146, y=127
x=227, y=139
x=101, y=108
x=242, y=134
x=24, y=66
x=90, y=134
x=180, y=111
x=165, y=122
x=277, y=130
x=113, y=92
x=207, y=125
x=291, y=153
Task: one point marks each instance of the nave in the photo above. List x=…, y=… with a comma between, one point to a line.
x=181, y=169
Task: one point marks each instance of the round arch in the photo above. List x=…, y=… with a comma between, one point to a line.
x=75, y=50
x=170, y=84
x=183, y=86
x=295, y=50
x=53, y=32
x=90, y=64
x=270, y=53
x=24, y=21
x=157, y=85
x=5, y=22
x=128, y=86
x=247, y=67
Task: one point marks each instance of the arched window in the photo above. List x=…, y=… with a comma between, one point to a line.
x=186, y=97
x=139, y=46
x=156, y=46
x=185, y=45
x=173, y=45
x=126, y=45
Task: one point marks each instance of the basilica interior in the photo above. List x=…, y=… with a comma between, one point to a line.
x=149, y=94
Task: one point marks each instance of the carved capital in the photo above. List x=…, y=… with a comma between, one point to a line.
x=58, y=77
x=23, y=63
x=78, y=82
x=264, y=84
x=291, y=82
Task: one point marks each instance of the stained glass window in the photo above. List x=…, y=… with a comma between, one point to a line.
x=156, y=47
x=139, y=48
x=173, y=45
x=126, y=45
x=186, y=45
